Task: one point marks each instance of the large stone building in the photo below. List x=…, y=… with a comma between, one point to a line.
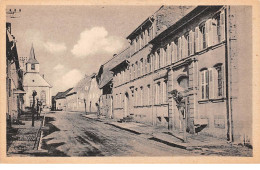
x=34, y=81
x=201, y=56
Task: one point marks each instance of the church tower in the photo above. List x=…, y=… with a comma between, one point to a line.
x=32, y=65
x=33, y=81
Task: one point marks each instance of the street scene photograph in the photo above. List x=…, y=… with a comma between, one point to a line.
x=128, y=81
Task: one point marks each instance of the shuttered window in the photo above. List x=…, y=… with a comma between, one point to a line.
x=220, y=80
x=179, y=49
x=202, y=32
x=148, y=94
x=197, y=39
x=222, y=25
x=191, y=43
x=204, y=84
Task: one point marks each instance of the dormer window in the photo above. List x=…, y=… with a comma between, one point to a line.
x=33, y=67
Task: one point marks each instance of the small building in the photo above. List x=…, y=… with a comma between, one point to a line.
x=60, y=100
x=77, y=97
x=93, y=94
x=105, y=83
x=34, y=81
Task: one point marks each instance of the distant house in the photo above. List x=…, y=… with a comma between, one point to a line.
x=60, y=100
x=77, y=97
x=105, y=83
x=93, y=94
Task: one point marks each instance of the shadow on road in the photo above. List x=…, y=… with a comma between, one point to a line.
x=51, y=148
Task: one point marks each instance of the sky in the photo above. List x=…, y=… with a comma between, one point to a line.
x=73, y=41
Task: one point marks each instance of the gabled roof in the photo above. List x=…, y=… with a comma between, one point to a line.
x=105, y=75
x=32, y=59
x=62, y=95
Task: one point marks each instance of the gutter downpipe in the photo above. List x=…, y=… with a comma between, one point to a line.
x=228, y=81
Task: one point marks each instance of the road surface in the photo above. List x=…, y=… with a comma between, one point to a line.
x=72, y=134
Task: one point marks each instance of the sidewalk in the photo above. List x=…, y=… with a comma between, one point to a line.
x=172, y=138
x=24, y=139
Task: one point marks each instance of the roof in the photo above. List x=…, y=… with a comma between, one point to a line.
x=80, y=86
x=144, y=24
x=35, y=80
x=62, y=95
x=32, y=59
x=181, y=22
x=105, y=75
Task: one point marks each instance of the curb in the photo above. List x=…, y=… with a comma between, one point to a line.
x=169, y=143
x=126, y=129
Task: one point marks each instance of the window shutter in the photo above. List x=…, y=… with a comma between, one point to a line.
x=212, y=89
x=202, y=84
x=191, y=42
x=161, y=58
x=200, y=40
x=222, y=25
x=223, y=80
x=184, y=47
x=179, y=48
x=214, y=33
x=197, y=39
x=208, y=33
x=168, y=54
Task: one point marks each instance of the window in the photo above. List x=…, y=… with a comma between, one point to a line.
x=157, y=93
x=141, y=67
x=204, y=84
x=203, y=33
x=220, y=78
x=148, y=64
x=179, y=44
x=188, y=46
x=174, y=51
x=141, y=95
x=148, y=94
x=164, y=56
x=185, y=45
x=33, y=67
x=183, y=81
x=191, y=43
x=168, y=54
x=157, y=59
x=164, y=92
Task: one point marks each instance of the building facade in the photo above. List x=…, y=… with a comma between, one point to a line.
x=14, y=80
x=93, y=94
x=199, y=56
x=77, y=98
x=59, y=102
x=34, y=81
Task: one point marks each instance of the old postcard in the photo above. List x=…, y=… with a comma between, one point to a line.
x=128, y=82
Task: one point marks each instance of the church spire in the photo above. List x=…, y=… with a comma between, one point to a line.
x=32, y=58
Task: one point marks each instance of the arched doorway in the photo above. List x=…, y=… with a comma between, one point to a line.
x=126, y=107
